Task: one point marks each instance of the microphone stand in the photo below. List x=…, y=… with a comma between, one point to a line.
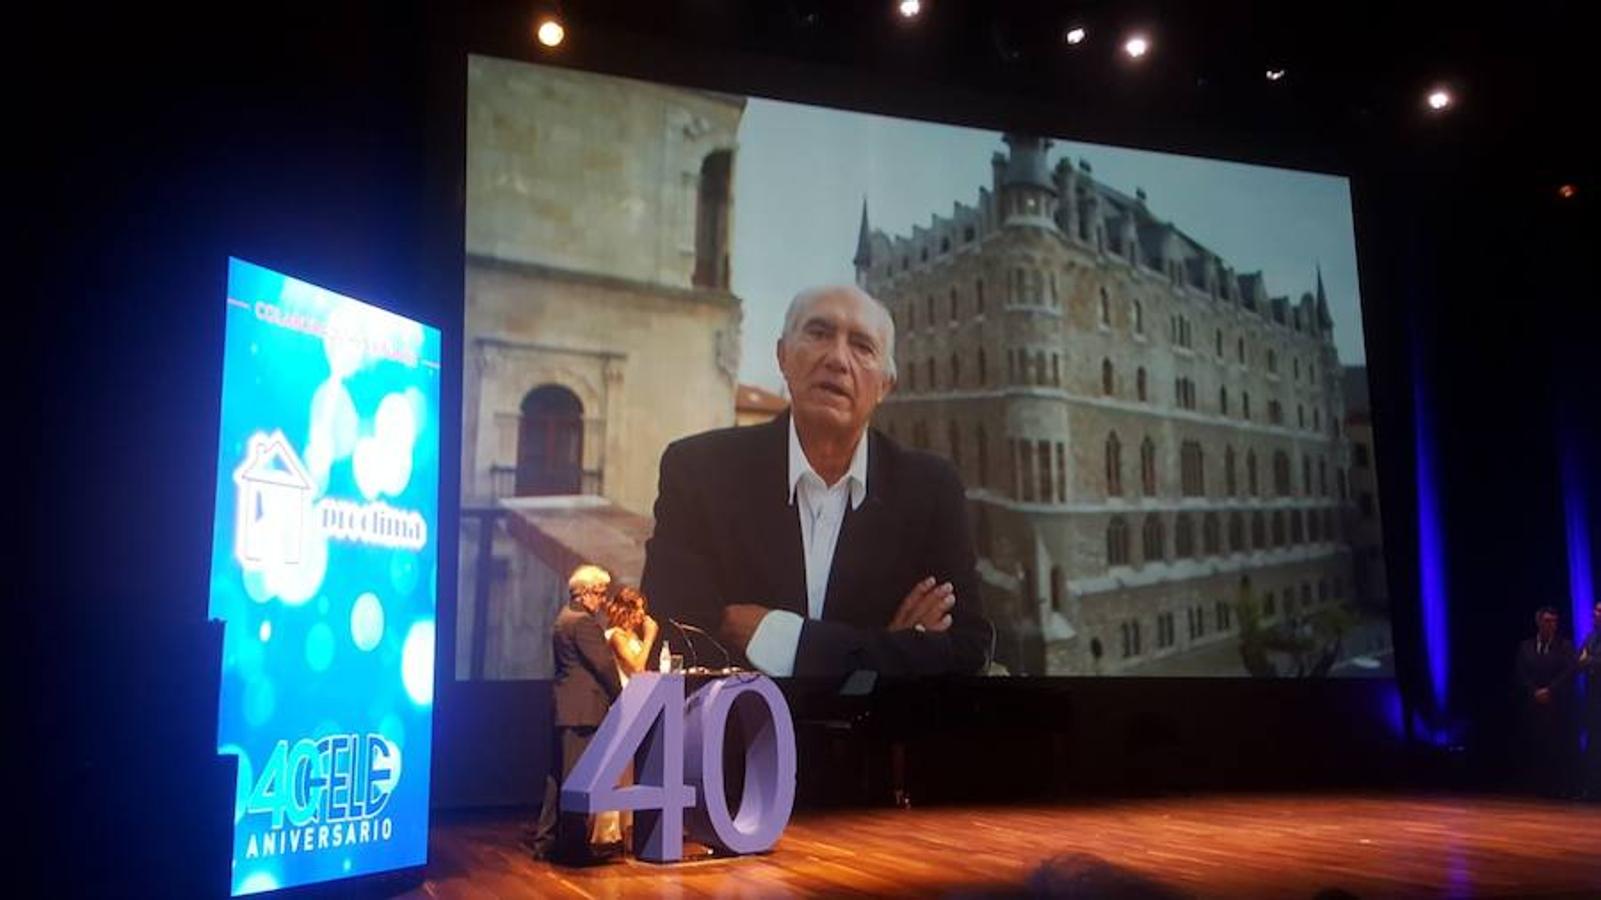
x=728, y=659
x=693, y=654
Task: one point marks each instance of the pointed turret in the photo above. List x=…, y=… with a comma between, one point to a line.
x=1323, y=317
x=864, y=244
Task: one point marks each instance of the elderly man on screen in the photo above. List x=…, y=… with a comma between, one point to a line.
x=813, y=544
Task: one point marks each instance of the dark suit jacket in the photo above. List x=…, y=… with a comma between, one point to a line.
x=586, y=673
x=727, y=533
x=1552, y=669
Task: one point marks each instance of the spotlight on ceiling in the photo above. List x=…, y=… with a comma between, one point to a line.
x=1075, y=35
x=1568, y=191
x=550, y=31
x=909, y=9
x=1439, y=99
x=1275, y=74
x=1137, y=46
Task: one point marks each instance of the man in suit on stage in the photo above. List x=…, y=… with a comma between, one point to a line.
x=1590, y=664
x=813, y=544
x=585, y=684
x=1546, y=666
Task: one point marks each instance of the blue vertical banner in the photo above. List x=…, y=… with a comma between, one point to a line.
x=323, y=568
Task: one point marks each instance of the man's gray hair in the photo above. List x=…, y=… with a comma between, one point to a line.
x=804, y=300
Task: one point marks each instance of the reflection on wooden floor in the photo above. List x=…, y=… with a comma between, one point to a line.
x=1367, y=845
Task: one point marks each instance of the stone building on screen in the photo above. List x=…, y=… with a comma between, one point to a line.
x=1148, y=439
x=600, y=326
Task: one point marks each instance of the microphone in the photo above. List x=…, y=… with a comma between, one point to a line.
x=728, y=659
x=694, y=656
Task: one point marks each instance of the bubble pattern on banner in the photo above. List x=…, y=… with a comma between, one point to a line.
x=325, y=639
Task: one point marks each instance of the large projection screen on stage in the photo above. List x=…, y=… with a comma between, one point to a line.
x=324, y=570
x=1147, y=369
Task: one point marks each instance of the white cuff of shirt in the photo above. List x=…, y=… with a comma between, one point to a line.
x=772, y=647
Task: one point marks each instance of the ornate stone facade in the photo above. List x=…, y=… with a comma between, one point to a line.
x=1148, y=439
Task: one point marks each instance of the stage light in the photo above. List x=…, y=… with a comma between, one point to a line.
x=1137, y=46
x=1075, y=35
x=909, y=8
x=550, y=32
x=1275, y=74
x=1567, y=191
x=1439, y=99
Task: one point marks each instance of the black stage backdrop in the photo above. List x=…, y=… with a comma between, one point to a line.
x=328, y=143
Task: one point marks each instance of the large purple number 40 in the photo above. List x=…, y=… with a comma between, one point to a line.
x=681, y=765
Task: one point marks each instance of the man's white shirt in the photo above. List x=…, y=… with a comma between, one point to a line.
x=821, y=511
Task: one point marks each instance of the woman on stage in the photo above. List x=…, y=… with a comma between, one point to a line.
x=630, y=635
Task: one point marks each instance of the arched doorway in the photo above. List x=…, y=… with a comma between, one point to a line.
x=550, y=442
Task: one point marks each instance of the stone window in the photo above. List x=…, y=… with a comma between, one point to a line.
x=1061, y=472
x=1275, y=412
x=711, y=220
x=1117, y=542
x=1192, y=471
x=956, y=371
x=954, y=434
x=1258, y=530
x=1223, y=400
x=1250, y=473
x=1220, y=343
x=1306, y=475
x=1047, y=491
x=1297, y=527
x=1148, y=467
x=983, y=370
x=1164, y=631
x=1225, y=616
x=1114, y=465
x=1231, y=484
x=1139, y=318
x=1278, y=528
x=1183, y=535
x=1245, y=404
x=1272, y=361
x=1323, y=476
x=1153, y=538
x=1106, y=309
x=550, y=443
x=1107, y=381
x=1139, y=384
x=1025, y=454
x=955, y=306
x=1131, y=638
x=1239, y=350
x=933, y=379
x=1281, y=473
x=1236, y=532
x=1056, y=369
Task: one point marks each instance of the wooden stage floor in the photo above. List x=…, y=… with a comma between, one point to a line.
x=1368, y=845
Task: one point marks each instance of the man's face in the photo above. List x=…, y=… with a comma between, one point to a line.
x=834, y=362
x=592, y=596
x=1547, y=624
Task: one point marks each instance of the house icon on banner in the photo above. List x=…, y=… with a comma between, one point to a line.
x=274, y=501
